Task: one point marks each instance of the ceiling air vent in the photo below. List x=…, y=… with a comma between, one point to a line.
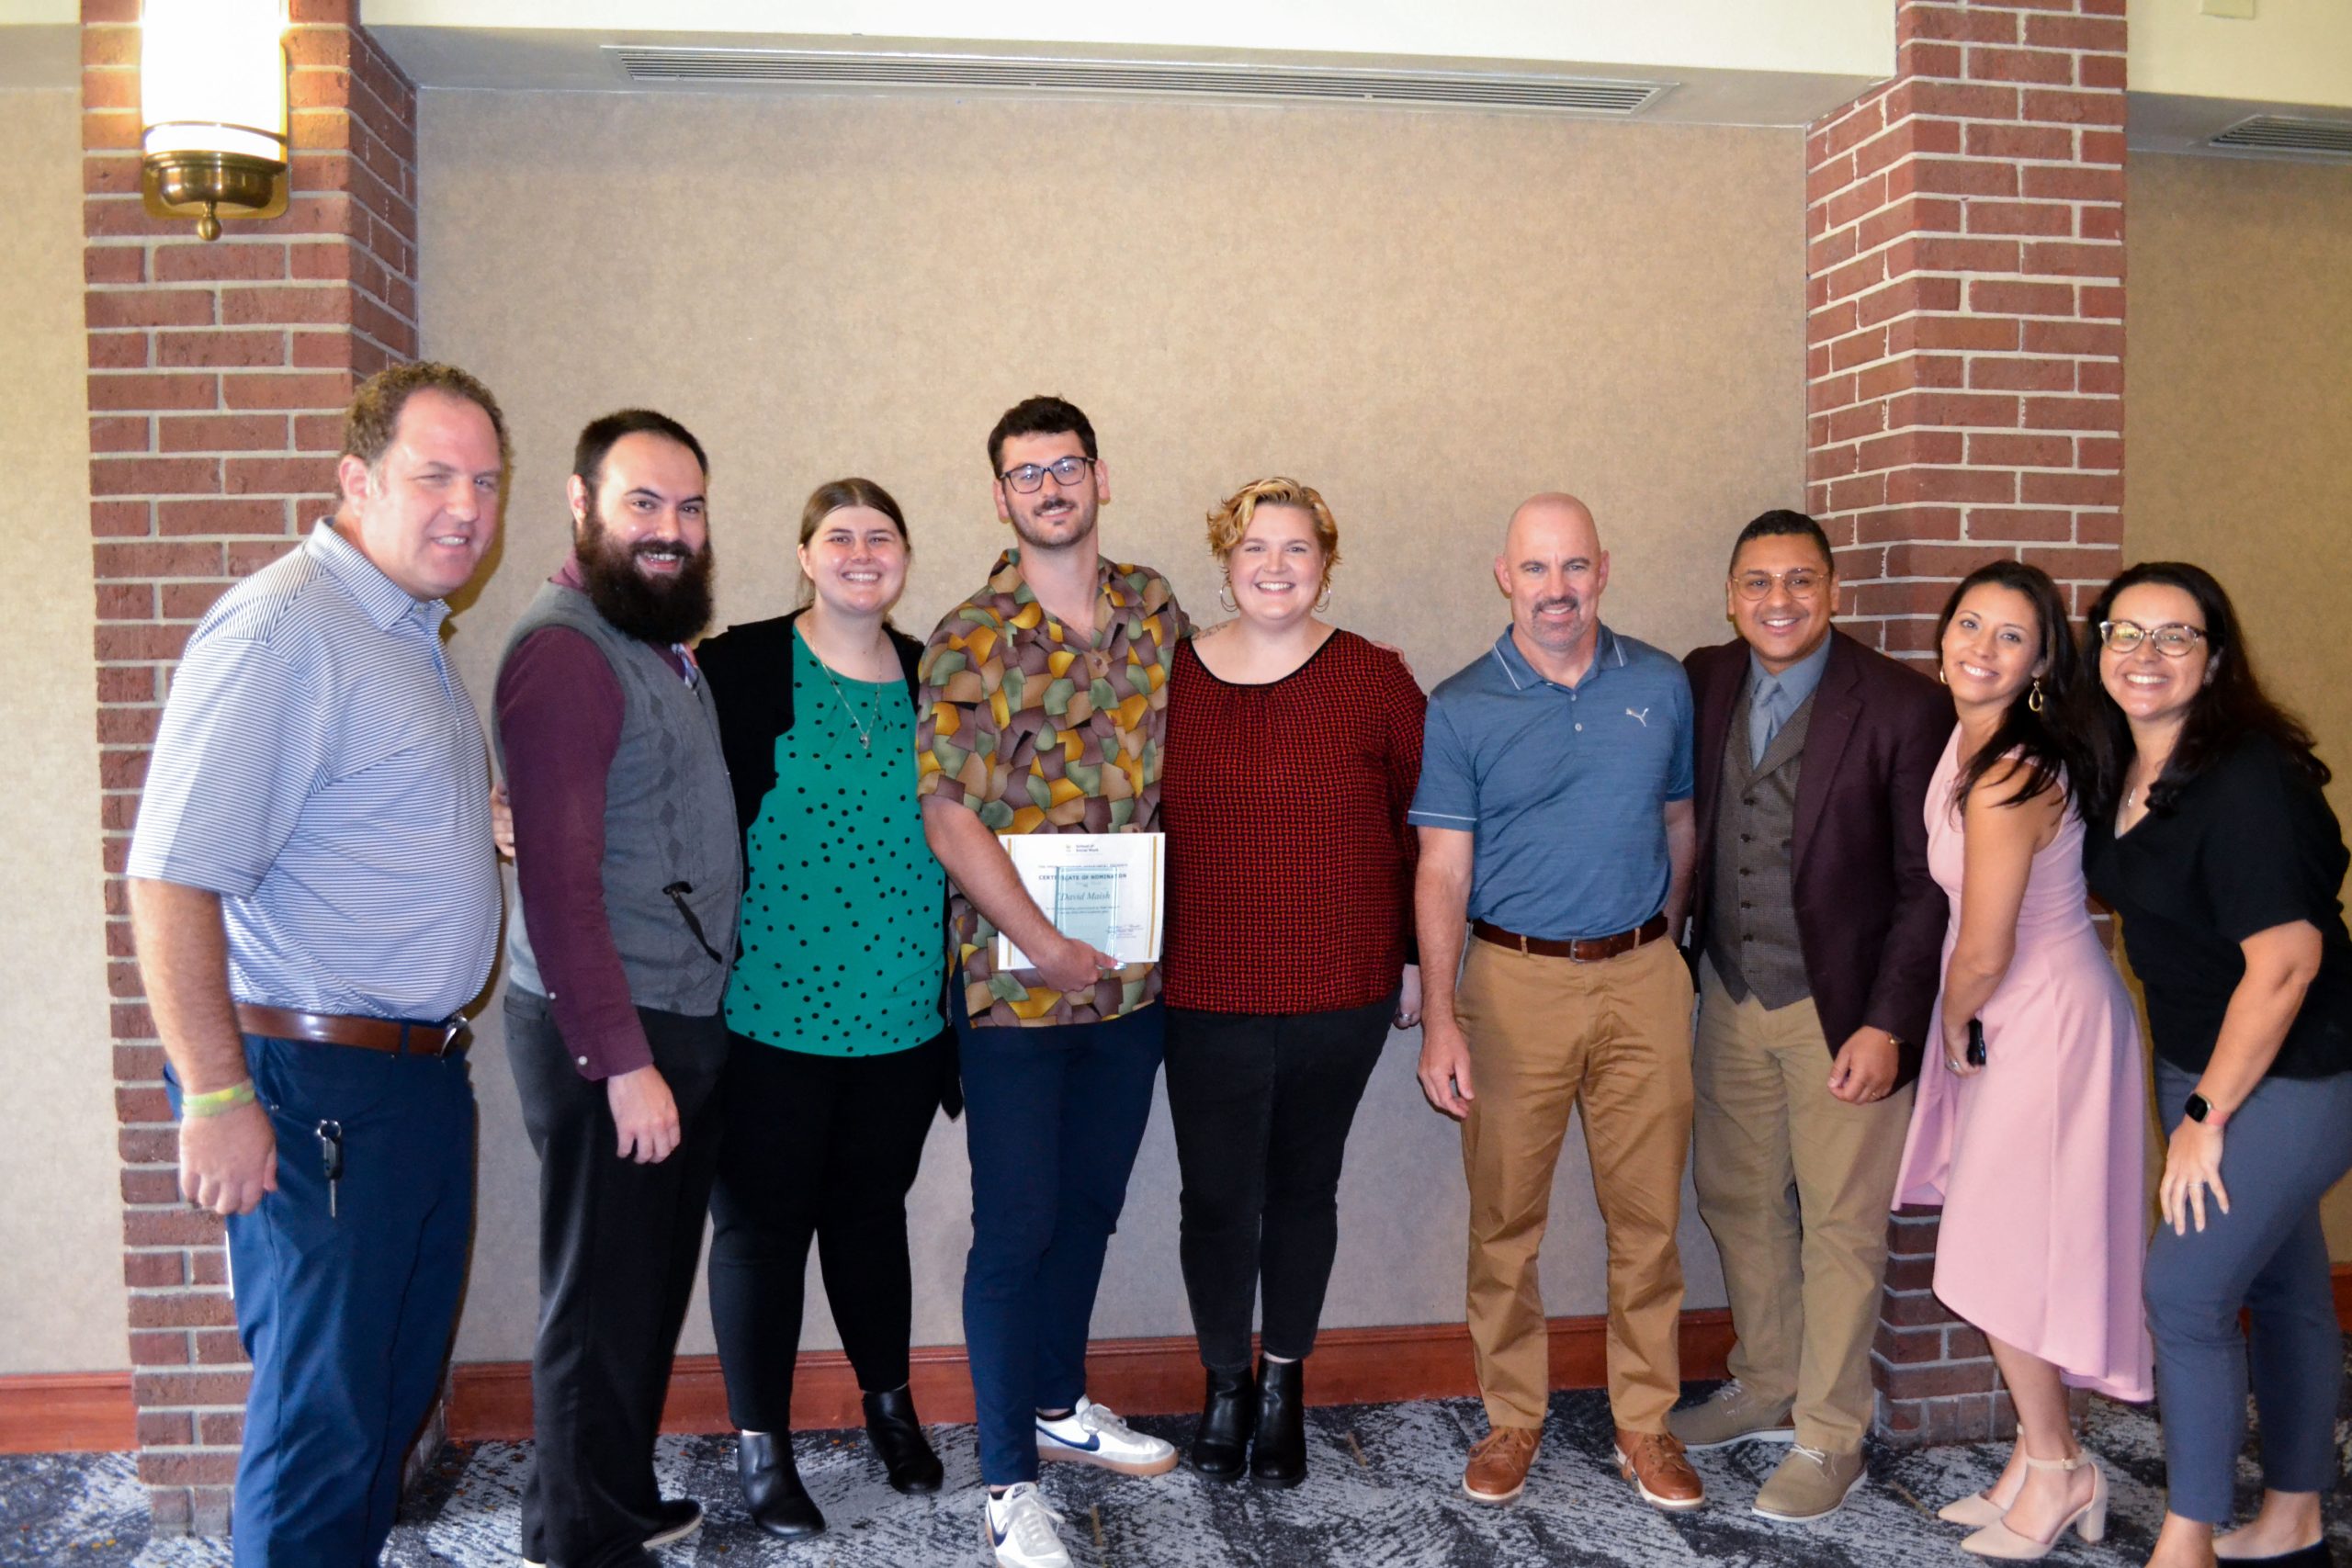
x=974, y=73
x=2279, y=134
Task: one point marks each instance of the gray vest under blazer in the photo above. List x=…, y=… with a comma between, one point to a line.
x=669, y=817
x=1752, y=934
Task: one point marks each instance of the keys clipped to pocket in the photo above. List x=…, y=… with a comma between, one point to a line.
x=330, y=1135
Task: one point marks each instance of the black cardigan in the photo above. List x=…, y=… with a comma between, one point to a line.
x=750, y=671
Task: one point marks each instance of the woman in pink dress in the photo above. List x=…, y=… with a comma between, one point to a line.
x=2035, y=1144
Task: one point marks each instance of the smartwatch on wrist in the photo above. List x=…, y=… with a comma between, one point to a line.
x=2196, y=1107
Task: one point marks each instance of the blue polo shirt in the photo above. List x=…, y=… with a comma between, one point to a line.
x=1565, y=787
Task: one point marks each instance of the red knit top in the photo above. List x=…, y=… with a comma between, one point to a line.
x=1290, y=866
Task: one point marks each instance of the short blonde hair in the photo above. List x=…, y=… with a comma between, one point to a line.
x=1230, y=521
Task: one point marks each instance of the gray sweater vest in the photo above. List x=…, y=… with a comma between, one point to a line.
x=1752, y=926
x=669, y=819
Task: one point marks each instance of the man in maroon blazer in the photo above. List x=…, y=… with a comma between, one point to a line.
x=1818, y=931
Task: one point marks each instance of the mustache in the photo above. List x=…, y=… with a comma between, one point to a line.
x=661, y=549
x=1564, y=601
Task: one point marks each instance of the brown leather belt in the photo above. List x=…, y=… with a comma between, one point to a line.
x=1583, y=950
x=338, y=1028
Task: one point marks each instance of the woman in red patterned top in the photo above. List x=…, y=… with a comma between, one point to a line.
x=1293, y=750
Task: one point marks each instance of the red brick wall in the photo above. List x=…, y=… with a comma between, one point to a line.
x=217, y=374
x=1965, y=309
x=1964, y=368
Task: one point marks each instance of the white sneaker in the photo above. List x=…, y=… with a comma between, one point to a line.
x=1093, y=1435
x=1018, y=1529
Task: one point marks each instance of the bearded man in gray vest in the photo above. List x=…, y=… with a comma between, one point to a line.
x=1818, y=933
x=630, y=875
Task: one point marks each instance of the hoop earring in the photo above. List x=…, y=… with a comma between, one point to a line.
x=2034, y=701
x=1225, y=597
x=1324, y=602
x=1940, y=679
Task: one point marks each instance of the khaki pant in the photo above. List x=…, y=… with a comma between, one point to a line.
x=1544, y=1034
x=1795, y=1185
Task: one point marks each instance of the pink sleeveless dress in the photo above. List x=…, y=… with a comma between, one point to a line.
x=2039, y=1160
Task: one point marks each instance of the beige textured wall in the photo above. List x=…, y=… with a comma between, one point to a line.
x=62, y=1228
x=1429, y=316
x=2240, y=418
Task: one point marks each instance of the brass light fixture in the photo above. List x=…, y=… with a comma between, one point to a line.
x=212, y=106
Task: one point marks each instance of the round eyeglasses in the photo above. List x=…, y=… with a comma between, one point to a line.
x=1029, y=478
x=2173, y=640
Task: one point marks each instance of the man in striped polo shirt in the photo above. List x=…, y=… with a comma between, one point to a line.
x=315, y=897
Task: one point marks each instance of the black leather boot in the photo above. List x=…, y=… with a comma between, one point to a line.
x=1220, y=1448
x=1279, y=1456
x=772, y=1488
x=897, y=1436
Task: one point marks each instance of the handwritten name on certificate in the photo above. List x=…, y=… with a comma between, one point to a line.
x=1105, y=890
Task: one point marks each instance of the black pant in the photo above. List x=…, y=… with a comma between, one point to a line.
x=1261, y=1104
x=823, y=1147
x=618, y=1243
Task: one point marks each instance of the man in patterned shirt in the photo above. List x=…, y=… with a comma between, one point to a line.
x=1042, y=711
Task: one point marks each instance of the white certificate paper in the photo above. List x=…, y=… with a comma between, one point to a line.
x=1101, y=888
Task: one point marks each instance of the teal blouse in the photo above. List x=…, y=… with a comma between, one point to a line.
x=844, y=947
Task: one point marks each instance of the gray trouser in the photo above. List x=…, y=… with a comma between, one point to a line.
x=2283, y=1149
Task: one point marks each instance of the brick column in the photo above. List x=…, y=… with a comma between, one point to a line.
x=1966, y=401
x=217, y=376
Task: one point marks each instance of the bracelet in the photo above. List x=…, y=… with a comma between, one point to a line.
x=218, y=1101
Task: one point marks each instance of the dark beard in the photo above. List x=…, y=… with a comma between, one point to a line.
x=659, y=610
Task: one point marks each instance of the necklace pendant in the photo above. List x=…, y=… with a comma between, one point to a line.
x=865, y=742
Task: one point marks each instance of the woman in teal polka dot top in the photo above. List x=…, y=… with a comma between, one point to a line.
x=840, y=1055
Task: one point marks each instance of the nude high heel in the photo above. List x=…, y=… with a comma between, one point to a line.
x=1997, y=1539
x=1976, y=1510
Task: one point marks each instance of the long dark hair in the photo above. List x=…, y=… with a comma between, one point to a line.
x=2049, y=744
x=2231, y=708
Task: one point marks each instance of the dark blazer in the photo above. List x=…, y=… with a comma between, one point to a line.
x=750, y=671
x=1870, y=918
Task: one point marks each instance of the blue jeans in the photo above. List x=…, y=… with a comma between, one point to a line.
x=1053, y=1118
x=346, y=1316
x=2281, y=1152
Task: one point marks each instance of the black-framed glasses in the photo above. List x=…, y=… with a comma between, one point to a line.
x=2173, y=640
x=1801, y=581
x=1029, y=478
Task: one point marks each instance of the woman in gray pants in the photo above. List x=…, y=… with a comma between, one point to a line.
x=2215, y=843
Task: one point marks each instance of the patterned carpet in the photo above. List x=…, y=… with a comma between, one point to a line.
x=1382, y=1493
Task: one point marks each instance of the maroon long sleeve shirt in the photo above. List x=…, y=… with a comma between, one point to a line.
x=560, y=723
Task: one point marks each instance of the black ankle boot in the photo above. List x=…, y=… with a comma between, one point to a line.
x=897, y=1436
x=1220, y=1446
x=1279, y=1456
x=772, y=1488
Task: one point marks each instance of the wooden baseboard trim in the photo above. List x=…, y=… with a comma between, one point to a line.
x=50, y=1413
x=491, y=1401
x=93, y=1412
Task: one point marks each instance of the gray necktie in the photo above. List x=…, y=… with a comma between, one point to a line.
x=1767, y=711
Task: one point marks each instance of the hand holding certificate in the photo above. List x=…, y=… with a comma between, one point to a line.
x=1103, y=889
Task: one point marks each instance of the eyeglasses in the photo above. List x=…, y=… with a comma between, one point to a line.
x=1801, y=581
x=2173, y=640
x=1029, y=478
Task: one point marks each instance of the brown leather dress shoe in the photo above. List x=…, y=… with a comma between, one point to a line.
x=1498, y=1468
x=1653, y=1462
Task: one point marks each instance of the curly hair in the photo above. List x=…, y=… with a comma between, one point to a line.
x=373, y=421
x=1231, y=519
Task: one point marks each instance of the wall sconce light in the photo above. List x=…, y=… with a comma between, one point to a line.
x=212, y=106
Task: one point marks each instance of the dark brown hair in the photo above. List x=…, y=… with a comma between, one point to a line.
x=373, y=421
x=2232, y=707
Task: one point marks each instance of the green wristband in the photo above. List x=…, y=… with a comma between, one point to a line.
x=218, y=1101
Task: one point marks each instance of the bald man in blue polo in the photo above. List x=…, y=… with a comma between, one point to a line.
x=1554, y=811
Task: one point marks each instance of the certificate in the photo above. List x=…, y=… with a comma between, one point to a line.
x=1104, y=889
